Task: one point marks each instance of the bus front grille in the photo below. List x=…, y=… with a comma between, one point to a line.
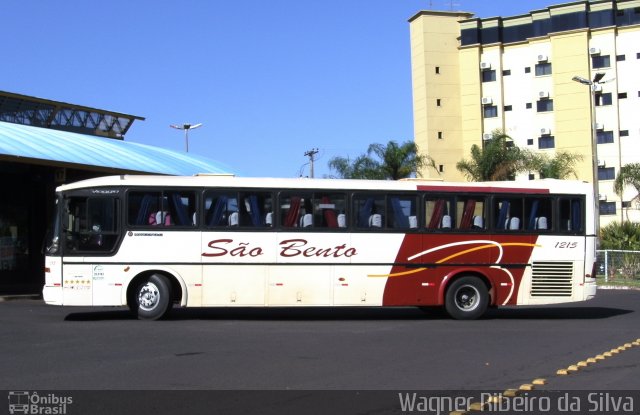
x=551, y=279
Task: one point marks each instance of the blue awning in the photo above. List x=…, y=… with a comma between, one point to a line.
x=65, y=148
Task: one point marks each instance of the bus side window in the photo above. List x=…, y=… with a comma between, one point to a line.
x=538, y=214
x=296, y=211
x=369, y=211
x=402, y=212
x=571, y=215
x=143, y=208
x=182, y=207
x=470, y=212
x=256, y=210
x=221, y=209
x=438, y=213
x=329, y=210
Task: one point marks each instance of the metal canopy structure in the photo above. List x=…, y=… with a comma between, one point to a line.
x=27, y=144
x=38, y=112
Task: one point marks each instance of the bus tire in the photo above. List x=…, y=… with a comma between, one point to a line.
x=467, y=298
x=152, y=298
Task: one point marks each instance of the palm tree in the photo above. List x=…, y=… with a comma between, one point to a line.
x=629, y=176
x=499, y=159
x=561, y=166
x=392, y=161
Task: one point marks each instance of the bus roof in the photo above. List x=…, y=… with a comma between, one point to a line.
x=226, y=181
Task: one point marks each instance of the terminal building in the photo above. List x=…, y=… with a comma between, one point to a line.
x=472, y=76
x=45, y=143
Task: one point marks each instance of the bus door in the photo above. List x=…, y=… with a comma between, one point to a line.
x=90, y=233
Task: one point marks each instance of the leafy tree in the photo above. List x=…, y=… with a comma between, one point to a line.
x=498, y=160
x=392, y=161
x=561, y=166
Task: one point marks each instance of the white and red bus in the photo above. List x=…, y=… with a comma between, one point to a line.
x=151, y=242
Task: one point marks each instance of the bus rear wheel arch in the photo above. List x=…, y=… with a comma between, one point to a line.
x=151, y=296
x=467, y=298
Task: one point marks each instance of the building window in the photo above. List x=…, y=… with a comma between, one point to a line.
x=437, y=69
x=605, y=137
x=489, y=76
x=545, y=105
x=532, y=176
x=607, y=208
x=530, y=141
x=543, y=68
x=529, y=106
x=441, y=168
x=508, y=107
x=527, y=69
x=627, y=204
x=439, y=135
x=438, y=102
x=603, y=99
x=638, y=55
x=620, y=58
x=624, y=133
x=622, y=95
x=506, y=72
x=600, y=61
x=546, y=141
x=606, y=173
x=490, y=111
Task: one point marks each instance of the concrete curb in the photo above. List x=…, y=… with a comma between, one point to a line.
x=20, y=297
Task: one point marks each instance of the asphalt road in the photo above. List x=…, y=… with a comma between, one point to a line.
x=64, y=348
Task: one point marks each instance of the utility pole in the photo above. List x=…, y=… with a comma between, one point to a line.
x=311, y=153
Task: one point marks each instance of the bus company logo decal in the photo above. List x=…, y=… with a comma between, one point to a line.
x=476, y=245
x=25, y=402
x=289, y=248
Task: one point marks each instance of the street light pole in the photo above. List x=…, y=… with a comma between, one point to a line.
x=186, y=127
x=594, y=143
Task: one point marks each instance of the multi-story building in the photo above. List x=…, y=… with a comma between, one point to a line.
x=472, y=76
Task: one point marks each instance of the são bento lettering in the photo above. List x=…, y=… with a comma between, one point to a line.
x=289, y=248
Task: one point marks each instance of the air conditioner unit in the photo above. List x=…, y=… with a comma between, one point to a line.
x=594, y=51
x=597, y=88
x=602, y=197
x=543, y=94
x=543, y=58
x=599, y=126
x=487, y=101
x=485, y=65
x=545, y=131
x=486, y=136
x=601, y=163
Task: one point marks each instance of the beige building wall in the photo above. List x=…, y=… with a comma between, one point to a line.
x=435, y=71
x=447, y=131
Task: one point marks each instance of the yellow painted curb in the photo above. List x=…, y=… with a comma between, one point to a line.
x=459, y=413
x=607, y=354
x=636, y=343
x=562, y=372
x=496, y=399
x=592, y=360
x=582, y=364
x=511, y=393
x=600, y=357
x=614, y=351
x=476, y=406
x=573, y=368
x=526, y=387
x=539, y=381
x=628, y=345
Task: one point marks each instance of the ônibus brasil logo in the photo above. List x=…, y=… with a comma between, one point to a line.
x=23, y=402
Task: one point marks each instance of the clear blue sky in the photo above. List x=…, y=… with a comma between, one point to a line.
x=269, y=80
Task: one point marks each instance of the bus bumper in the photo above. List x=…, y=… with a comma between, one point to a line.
x=52, y=294
x=590, y=288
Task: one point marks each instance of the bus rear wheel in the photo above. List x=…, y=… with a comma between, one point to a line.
x=152, y=298
x=467, y=298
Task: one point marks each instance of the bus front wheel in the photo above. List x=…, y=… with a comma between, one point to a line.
x=467, y=298
x=152, y=298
